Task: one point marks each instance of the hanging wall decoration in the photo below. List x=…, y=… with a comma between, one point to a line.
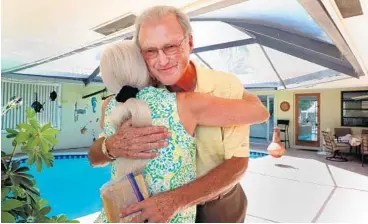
x=94, y=135
x=94, y=104
x=285, y=106
x=53, y=95
x=37, y=106
x=15, y=102
x=78, y=111
x=84, y=129
x=75, y=111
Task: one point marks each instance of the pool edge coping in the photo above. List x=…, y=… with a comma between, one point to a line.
x=58, y=154
x=86, y=153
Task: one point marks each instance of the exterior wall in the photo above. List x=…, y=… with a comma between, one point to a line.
x=330, y=100
x=70, y=135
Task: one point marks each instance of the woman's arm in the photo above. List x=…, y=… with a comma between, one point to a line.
x=95, y=154
x=103, y=108
x=215, y=111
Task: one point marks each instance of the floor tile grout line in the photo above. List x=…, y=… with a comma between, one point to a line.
x=262, y=218
x=320, y=211
x=308, y=182
x=331, y=175
x=324, y=205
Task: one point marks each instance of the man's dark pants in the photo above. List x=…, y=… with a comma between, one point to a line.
x=230, y=208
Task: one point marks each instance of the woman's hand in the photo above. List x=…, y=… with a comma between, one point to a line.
x=133, y=143
x=159, y=208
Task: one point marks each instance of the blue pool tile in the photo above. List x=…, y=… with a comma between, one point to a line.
x=256, y=155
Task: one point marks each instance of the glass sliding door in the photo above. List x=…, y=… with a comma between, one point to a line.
x=307, y=119
x=271, y=121
x=262, y=133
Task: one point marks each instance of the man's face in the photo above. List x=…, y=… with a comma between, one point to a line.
x=165, y=48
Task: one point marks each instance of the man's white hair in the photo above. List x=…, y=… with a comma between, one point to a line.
x=158, y=12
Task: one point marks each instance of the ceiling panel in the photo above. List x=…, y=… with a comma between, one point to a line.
x=287, y=15
x=213, y=32
x=78, y=65
x=36, y=29
x=289, y=66
x=247, y=62
x=250, y=64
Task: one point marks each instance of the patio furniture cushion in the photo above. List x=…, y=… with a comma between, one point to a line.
x=342, y=146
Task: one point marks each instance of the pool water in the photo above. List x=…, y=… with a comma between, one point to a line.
x=72, y=186
x=254, y=154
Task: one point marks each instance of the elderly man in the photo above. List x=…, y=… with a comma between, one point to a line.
x=164, y=35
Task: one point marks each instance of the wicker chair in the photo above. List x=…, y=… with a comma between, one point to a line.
x=364, y=147
x=335, y=147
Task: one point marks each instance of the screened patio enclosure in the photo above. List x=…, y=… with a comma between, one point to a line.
x=267, y=44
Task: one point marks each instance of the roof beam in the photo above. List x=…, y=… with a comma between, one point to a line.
x=45, y=77
x=95, y=93
x=273, y=67
x=91, y=76
x=311, y=50
x=235, y=43
x=209, y=6
x=328, y=18
x=308, y=55
x=314, y=51
x=203, y=61
x=314, y=76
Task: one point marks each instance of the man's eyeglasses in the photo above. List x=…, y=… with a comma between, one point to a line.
x=170, y=49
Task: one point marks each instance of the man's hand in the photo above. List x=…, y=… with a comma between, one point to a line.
x=159, y=208
x=133, y=143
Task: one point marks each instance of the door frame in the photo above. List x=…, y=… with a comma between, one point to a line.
x=296, y=123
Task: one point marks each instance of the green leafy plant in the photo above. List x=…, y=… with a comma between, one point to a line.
x=20, y=199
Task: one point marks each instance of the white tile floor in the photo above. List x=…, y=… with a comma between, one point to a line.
x=311, y=189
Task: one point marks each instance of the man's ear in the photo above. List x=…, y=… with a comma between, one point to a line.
x=191, y=43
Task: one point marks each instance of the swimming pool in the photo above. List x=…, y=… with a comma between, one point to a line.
x=72, y=186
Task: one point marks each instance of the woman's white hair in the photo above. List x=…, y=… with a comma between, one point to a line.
x=158, y=12
x=122, y=64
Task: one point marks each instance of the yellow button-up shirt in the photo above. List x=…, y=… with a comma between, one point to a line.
x=215, y=144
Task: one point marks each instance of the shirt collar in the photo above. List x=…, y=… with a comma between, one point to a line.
x=204, y=83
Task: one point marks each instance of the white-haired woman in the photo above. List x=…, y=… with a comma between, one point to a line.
x=123, y=69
